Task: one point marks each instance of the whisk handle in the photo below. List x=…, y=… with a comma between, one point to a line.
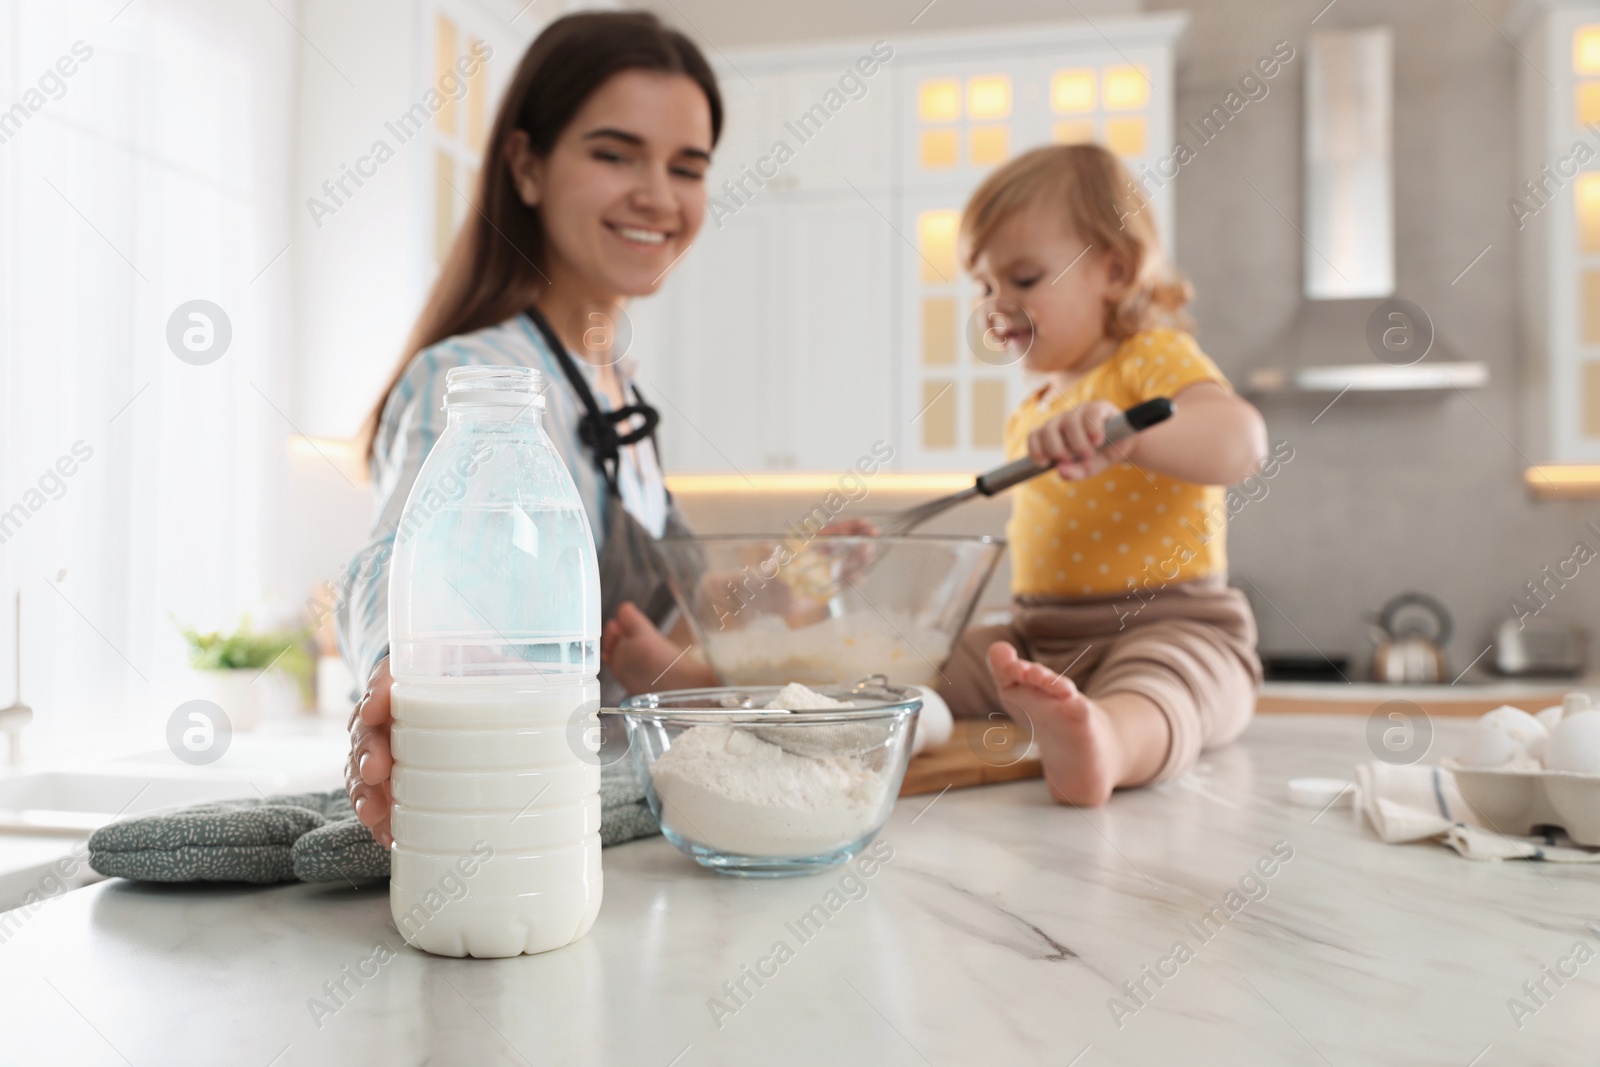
x=1118, y=427
x=1017, y=471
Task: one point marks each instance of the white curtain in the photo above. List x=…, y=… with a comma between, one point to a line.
x=154, y=174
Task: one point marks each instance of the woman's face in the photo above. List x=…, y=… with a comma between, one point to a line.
x=1049, y=290
x=622, y=193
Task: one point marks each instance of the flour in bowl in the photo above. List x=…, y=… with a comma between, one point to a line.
x=796, y=697
x=726, y=788
x=842, y=649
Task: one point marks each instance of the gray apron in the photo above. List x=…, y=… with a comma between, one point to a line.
x=631, y=568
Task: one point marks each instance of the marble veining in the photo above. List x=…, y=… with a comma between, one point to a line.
x=1003, y=929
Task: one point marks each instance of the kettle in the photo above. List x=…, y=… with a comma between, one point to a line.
x=1410, y=636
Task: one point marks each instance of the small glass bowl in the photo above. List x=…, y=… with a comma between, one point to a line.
x=765, y=793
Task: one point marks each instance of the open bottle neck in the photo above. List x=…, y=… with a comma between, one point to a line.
x=500, y=393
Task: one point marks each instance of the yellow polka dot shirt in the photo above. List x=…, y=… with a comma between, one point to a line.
x=1124, y=527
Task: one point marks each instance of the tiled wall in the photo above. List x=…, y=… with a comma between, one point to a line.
x=1383, y=494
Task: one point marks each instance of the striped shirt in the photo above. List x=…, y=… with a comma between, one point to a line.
x=413, y=418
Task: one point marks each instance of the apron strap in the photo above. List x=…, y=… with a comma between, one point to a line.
x=597, y=429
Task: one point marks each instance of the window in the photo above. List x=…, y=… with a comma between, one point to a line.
x=155, y=178
x=989, y=97
x=1072, y=91
x=1126, y=87
x=1586, y=50
x=940, y=100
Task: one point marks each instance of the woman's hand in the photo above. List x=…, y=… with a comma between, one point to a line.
x=366, y=774
x=1071, y=441
x=643, y=658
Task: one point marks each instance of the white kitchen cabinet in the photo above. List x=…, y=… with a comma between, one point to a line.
x=800, y=329
x=962, y=109
x=1556, y=208
x=851, y=147
x=705, y=346
x=834, y=273
x=778, y=383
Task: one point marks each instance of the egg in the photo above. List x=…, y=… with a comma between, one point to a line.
x=1575, y=744
x=1549, y=718
x=1503, y=736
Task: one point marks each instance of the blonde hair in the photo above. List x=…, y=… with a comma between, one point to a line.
x=1105, y=207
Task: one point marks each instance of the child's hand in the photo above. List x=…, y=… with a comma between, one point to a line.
x=1071, y=441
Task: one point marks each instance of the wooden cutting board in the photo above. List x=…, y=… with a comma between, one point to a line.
x=979, y=752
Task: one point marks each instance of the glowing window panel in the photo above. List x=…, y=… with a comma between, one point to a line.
x=1588, y=109
x=988, y=413
x=938, y=416
x=989, y=97
x=939, y=100
x=1591, y=399
x=1586, y=50
x=444, y=214
x=1125, y=136
x=1073, y=131
x=1126, y=88
x=1072, y=91
x=477, y=102
x=940, y=149
x=1587, y=192
x=939, y=331
x=987, y=145
x=936, y=240
x=1591, y=307
x=444, y=61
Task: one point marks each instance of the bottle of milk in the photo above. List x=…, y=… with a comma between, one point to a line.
x=494, y=629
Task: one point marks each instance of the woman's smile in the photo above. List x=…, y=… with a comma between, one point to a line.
x=641, y=237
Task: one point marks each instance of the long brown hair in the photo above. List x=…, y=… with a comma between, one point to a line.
x=498, y=254
x=1105, y=207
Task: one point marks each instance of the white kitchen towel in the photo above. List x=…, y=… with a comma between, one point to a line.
x=1419, y=803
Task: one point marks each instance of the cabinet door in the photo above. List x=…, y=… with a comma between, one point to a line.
x=713, y=369
x=838, y=140
x=833, y=306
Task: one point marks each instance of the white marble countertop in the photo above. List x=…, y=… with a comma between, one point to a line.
x=1001, y=931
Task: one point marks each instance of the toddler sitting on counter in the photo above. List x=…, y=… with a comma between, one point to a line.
x=1127, y=653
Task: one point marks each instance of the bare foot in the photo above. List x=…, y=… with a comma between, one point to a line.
x=644, y=659
x=1078, y=745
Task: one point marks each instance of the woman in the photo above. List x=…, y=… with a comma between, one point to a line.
x=592, y=189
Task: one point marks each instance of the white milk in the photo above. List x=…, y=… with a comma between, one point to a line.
x=496, y=815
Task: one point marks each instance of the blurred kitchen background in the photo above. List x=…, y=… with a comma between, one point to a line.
x=160, y=152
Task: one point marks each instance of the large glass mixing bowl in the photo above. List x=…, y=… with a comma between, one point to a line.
x=828, y=609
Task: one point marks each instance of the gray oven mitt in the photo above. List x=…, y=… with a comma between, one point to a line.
x=310, y=837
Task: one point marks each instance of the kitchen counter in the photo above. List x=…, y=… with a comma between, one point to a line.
x=1001, y=929
x=1470, y=697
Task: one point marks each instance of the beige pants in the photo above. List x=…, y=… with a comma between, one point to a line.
x=1191, y=649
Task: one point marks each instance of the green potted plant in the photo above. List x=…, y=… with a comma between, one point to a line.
x=249, y=670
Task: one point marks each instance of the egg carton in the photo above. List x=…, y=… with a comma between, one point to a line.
x=1515, y=800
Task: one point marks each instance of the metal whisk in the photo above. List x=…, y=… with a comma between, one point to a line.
x=1118, y=428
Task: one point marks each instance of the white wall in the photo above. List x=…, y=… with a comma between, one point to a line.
x=359, y=273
